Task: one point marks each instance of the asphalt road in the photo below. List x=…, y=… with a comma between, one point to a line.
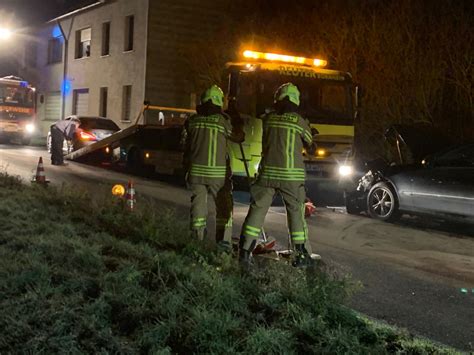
x=412, y=272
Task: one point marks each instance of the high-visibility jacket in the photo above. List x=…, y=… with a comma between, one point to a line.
x=282, y=146
x=206, y=151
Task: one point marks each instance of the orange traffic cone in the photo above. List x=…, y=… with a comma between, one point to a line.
x=130, y=198
x=40, y=177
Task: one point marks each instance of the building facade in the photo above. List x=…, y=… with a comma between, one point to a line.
x=107, y=58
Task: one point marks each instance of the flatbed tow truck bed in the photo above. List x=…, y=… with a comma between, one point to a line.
x=154, y=135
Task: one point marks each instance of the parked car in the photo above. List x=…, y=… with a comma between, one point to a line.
x=431, y=177
x=90, y=130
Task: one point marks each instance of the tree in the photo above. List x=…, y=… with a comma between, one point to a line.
x=414, y=59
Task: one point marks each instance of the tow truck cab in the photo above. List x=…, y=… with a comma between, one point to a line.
x=327, y=101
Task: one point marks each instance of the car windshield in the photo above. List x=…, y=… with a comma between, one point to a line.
x=90, y=123
x=14, y=95
x=322, y=101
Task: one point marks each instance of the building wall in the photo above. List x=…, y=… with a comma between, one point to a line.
x=45, y=77
x=174, y=26
x=113, y=71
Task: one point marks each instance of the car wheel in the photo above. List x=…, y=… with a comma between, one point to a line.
x=382, y=203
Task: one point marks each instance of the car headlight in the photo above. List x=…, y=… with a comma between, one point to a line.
x=30, y=128
x=345, y=170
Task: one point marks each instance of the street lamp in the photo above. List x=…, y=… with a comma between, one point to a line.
x=5, y=33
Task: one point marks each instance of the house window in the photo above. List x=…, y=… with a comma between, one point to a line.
x=55, y=50
x=83, y=43
x=103, y=102
x=126, y=102
x=105, y=38
x=129, y=29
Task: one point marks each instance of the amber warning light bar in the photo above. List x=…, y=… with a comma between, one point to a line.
x=285, y=58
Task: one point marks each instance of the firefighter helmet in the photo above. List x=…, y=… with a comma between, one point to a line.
x=213, y=94
x=288, y=90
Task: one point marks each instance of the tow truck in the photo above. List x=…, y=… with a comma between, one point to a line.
x=154, y=141
x=17, y=110
x=328, y=101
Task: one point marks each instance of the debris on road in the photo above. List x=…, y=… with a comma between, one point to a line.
x=338, y=209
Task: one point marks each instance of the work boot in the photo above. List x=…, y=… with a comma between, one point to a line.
x=302, y=257
x=224, y=246
x=245, y=259
x=245, y=256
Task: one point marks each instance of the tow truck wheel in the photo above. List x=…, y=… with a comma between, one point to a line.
x=135, y=163
x=382, y=203
x=133, y=160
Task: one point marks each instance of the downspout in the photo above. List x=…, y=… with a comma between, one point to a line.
x=66, y=56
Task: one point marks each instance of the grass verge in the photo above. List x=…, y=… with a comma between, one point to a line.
x=80, y=275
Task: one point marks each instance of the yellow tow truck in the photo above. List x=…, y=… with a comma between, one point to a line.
x=328, y=101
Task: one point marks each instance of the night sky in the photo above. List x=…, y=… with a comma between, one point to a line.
x=26, y=12
x=19, y=14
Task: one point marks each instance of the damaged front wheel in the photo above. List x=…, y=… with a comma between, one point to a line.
x=382, y=203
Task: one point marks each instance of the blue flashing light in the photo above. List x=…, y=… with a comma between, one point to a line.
x=56, y=32
x=23, y=84
x=66, y=87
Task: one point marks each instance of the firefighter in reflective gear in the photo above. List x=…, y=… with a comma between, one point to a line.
x=282, y=170
x=207, y=165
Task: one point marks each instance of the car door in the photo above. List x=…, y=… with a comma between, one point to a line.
x=446, y=184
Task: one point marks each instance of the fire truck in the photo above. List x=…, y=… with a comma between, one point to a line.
x=328, y=101
x=17, y=110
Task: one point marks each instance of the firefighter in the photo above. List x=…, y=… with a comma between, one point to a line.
x=63, y=129
x=208, y=167
x=281, y=170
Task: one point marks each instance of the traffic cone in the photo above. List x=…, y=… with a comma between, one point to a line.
x=130, y=198
x=40, y=177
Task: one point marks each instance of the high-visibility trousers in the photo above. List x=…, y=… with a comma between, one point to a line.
x=293, y=194
x=221, y=192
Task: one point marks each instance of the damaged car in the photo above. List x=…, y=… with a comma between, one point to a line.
x=427, y=175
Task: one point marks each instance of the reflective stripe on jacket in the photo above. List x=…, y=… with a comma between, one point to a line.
x=282, y=146
x=207, y=146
